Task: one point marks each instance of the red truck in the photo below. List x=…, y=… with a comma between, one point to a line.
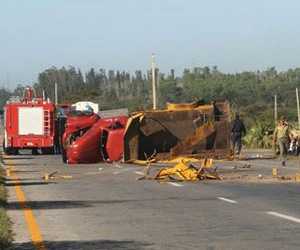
x=28, y=124
x=87, y=138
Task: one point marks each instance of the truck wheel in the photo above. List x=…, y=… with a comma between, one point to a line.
x=52, y=151
x=14, y=151
x=11, y=151
x=48, y=151
x=7, y=151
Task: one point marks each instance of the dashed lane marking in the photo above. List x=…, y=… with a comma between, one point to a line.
x=283, y=216
x=227, y=200
x=121, y=171
x=33, y=227
x=175, y=184
x=139, y=172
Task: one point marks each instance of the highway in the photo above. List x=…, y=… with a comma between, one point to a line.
x=105, y=206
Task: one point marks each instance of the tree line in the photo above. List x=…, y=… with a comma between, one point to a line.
x=250, y=93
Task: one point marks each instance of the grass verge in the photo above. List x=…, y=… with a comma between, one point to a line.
x=6, y=237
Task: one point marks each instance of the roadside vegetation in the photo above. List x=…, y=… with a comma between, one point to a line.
x=5, y=223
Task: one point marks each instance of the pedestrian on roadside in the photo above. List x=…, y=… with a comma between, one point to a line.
x=282, y=137
x=238, y=130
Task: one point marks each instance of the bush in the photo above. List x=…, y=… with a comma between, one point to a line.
x=5, y=224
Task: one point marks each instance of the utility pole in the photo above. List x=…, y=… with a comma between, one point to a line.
x=298, y=110
x=275, y=109
x=55, y=93
x=153, y=82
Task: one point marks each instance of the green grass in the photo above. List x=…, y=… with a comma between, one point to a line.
x=6, y=237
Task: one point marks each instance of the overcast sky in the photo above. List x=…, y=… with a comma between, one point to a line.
x=235, y=35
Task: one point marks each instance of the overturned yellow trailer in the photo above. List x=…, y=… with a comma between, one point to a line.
x=180, y=129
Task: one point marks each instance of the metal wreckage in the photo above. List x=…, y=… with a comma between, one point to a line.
x=186, y=129
x=182, y=129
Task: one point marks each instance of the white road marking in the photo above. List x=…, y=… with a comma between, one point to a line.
x=117, y=165
x=287, y=217
x=175, y=184
x=227, y=200
x=123, y=170
x=138, y=172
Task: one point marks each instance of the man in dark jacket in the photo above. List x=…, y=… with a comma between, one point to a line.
x=238, y=130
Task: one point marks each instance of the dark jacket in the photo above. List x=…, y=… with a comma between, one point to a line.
x=238, y=126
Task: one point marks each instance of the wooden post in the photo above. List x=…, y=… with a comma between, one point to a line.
x=275, y=109
x=298, y=110
x=56, y=101
x=153, y=82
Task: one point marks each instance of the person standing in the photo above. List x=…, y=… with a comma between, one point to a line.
x=238, y=130
x=282, y=136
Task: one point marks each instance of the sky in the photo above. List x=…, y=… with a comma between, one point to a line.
x=234, y=35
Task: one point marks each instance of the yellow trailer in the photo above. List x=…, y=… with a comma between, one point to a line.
x=180, y=129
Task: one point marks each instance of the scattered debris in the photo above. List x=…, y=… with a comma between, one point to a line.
x=146, y=170
x=7, y=172
x=53, y=175
x=183, y=172
x=265, y=156
x=243, y=166
x=285, y=178
x=236, y=157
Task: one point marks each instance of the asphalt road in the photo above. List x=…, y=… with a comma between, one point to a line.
x=104, y=206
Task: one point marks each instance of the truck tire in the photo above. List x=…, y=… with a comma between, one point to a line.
x=14, y=151
x=6, y=150
x=10, y=150
x=48, y=151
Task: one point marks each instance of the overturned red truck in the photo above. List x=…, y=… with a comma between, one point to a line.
x=88, y=138
x=181, y=129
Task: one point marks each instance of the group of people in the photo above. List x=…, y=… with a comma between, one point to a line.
x=282, y=136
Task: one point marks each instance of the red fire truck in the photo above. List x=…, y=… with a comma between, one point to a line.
x=28, y=124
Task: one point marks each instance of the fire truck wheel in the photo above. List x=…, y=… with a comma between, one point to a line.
x=48, y=151
x=14, y=151
x=5, y=149
x=10, y=150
